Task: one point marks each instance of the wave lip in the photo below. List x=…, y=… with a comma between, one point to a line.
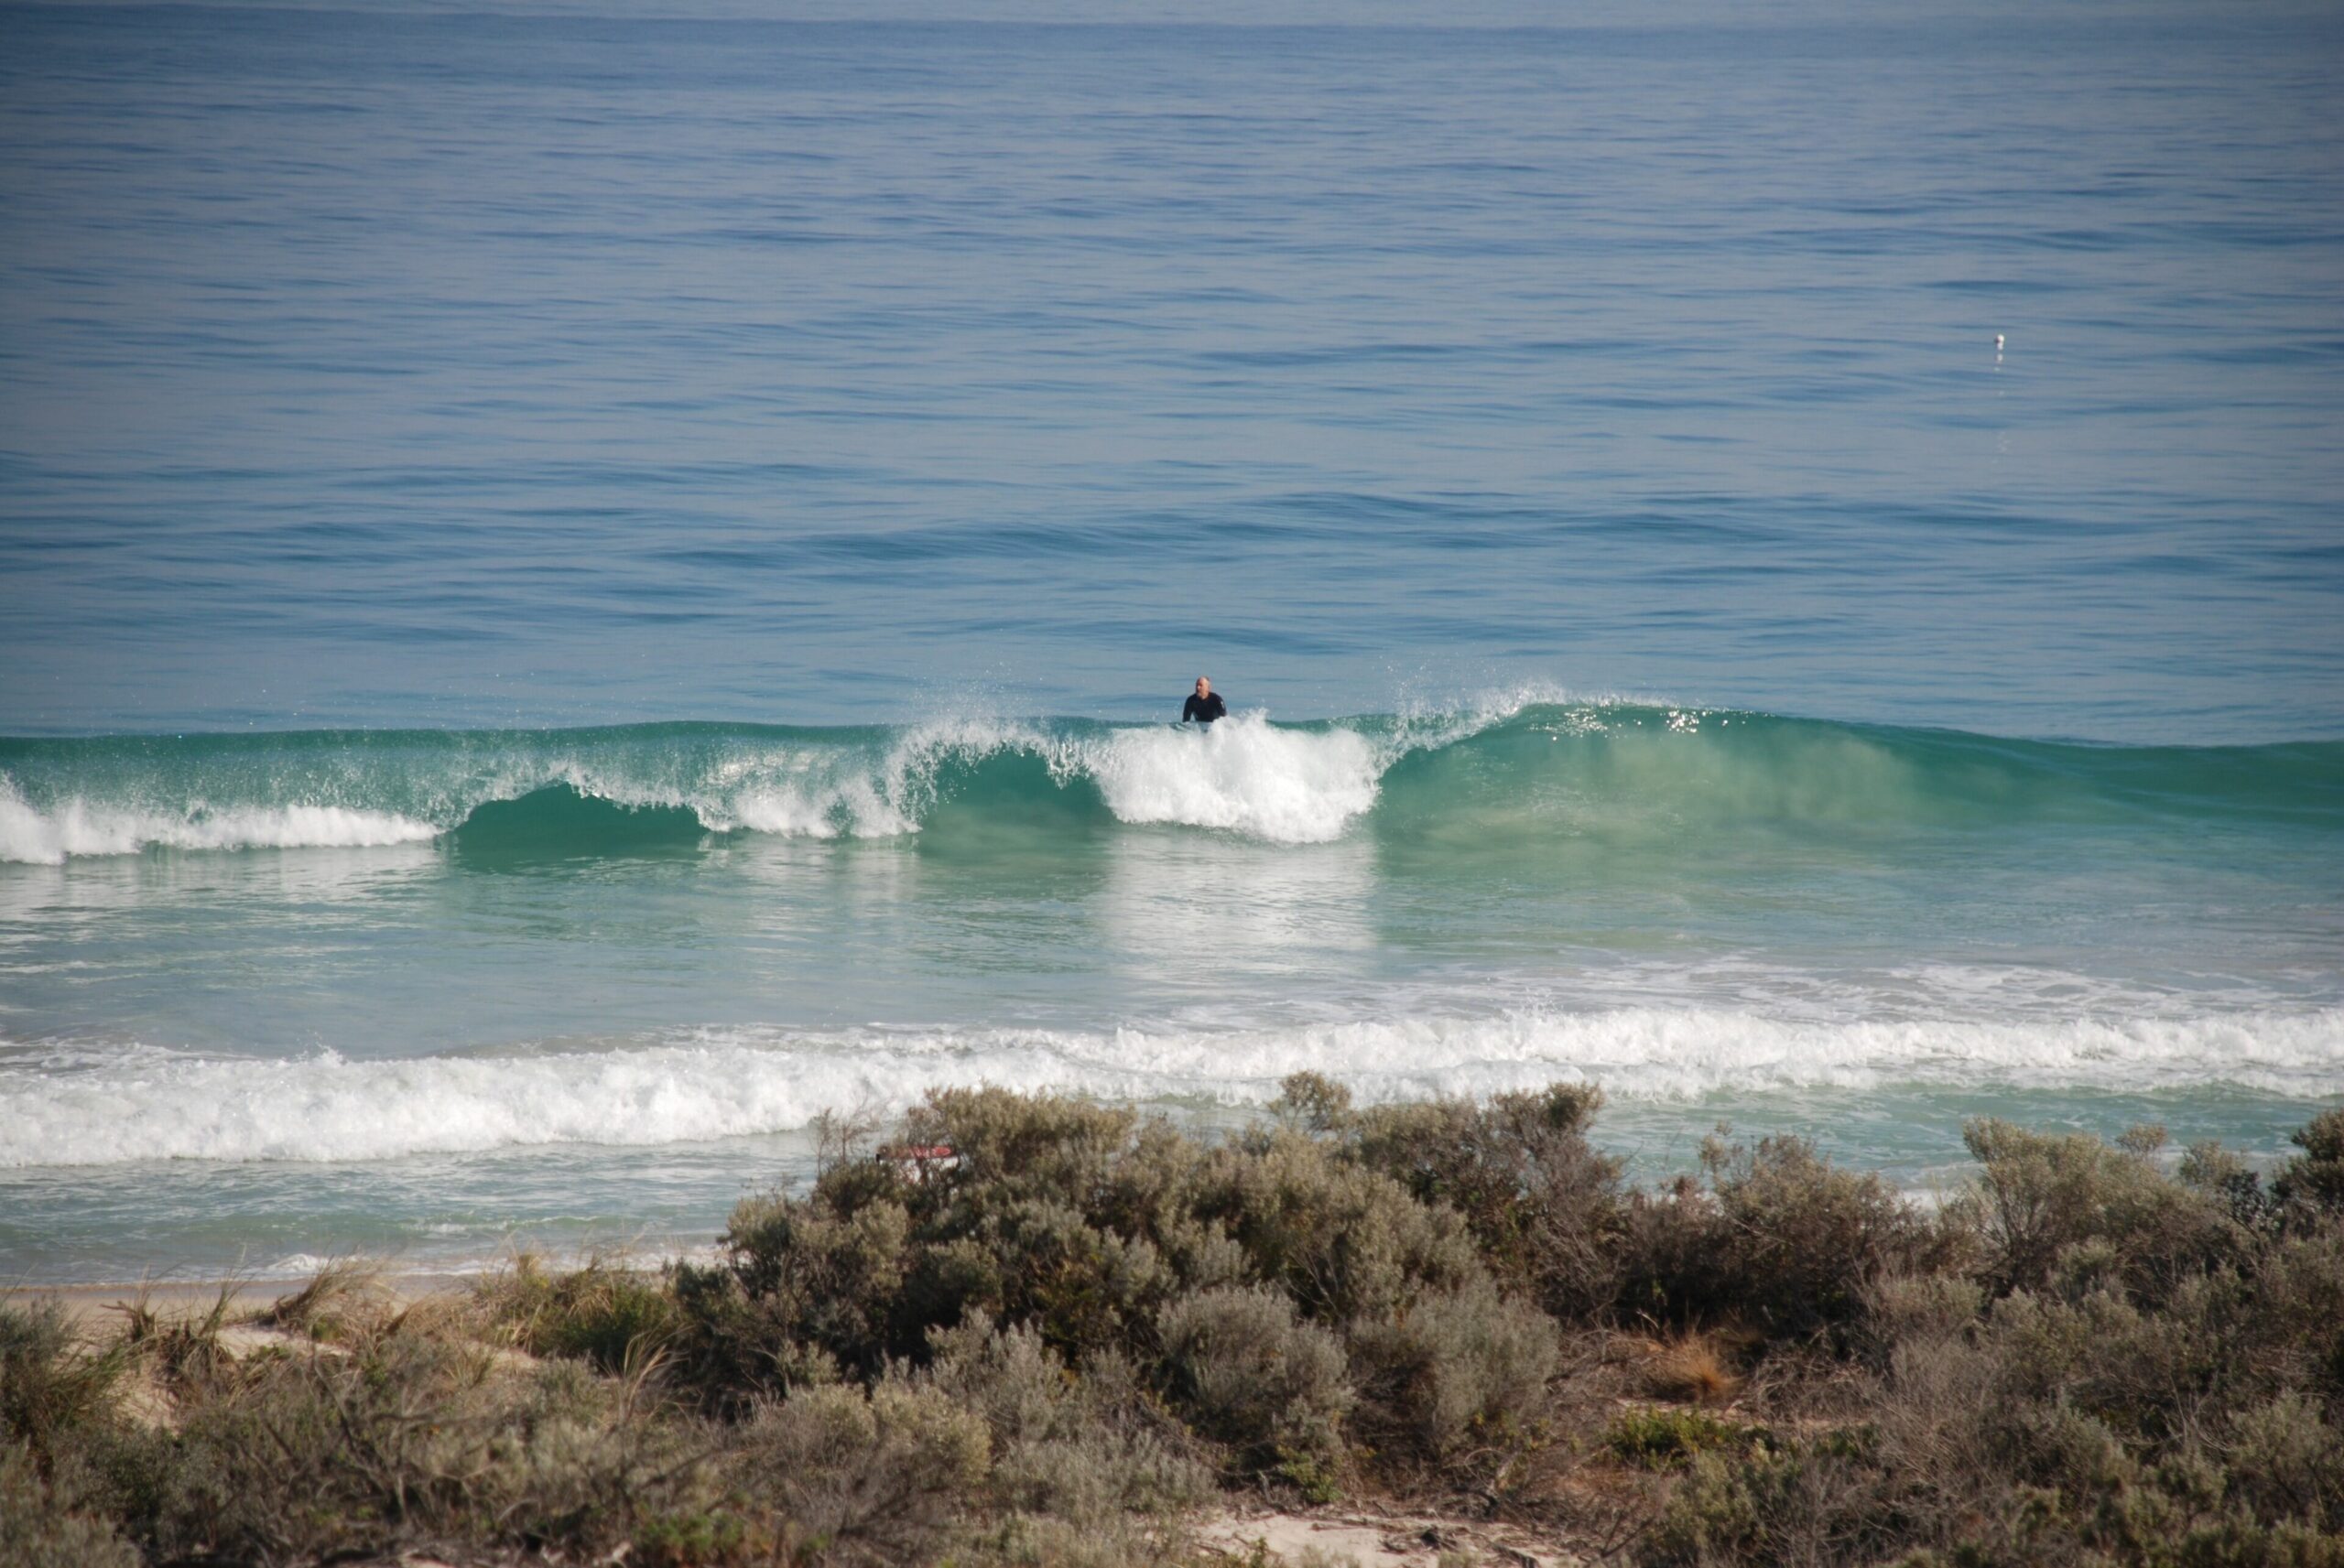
x=707, y=1084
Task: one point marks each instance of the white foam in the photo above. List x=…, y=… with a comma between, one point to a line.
x=1241, y=776
x=75, y=826
x=1284, y=785
x=151, y=1104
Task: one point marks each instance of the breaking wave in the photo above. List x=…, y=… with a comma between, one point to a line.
x=686, y=1087
x=1488, y=774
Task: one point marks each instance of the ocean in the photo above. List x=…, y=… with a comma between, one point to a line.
x=579, y=589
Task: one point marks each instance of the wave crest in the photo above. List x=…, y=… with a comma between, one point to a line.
x=1488, y=777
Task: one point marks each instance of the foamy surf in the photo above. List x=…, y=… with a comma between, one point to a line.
x=80, y=828
x=1285, y=786
x=710, y=1085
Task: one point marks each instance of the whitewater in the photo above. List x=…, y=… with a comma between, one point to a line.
x=143, y=1106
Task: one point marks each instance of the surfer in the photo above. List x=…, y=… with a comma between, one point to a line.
x=1204, y=705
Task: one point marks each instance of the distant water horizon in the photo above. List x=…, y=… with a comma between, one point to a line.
x=576, y=591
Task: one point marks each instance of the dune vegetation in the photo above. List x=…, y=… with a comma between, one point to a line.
x=1088, y=1332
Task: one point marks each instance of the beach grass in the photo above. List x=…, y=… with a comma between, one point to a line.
x=1093, y=1336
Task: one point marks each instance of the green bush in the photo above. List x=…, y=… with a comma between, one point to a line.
x=1093, y=1448
x=40, y=1529
x=698, y=1540
x=1767, y=1506
x=881, y=1476
x=1779, y=1241
x=1461, y=1371
x=408, y=1437
x=2314, y=1179
x=2042, y=1195
x=1651, y=1439
x=1544, y=1208
x=1344, y=1242
x=51, y=1383
x=833, y=1274
x=2086, y=1422
x=612, y=1317
x=732, y=1351
x=1248, y=1373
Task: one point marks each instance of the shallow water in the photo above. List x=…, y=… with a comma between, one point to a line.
x=575, y=590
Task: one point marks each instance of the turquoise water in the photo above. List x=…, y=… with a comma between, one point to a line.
x=576, y=591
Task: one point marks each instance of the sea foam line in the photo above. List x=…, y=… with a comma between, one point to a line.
x=723, y=1084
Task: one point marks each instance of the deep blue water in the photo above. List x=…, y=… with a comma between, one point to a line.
x=1790, y=563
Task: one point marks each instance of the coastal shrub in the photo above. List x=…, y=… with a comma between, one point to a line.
x=612, y=1317
x=1026, y=1145
x=1800, y=1241
x=1830, y=1502
x=2313, y=1180
x=1458, y=1373
x=1083, y=1281
x=1050, y=1215
x=52, y=1383
x=1092, y=1448
x=1247, y=1372
x=1056, y=1350
x=1544, y=1208
x=1312, y=1103
x=1778, y=1241
x=1653, y=1439
x=875, y=1476
x=830, y=1265
x=2285, y=1459
x=732, y=1350
x=405, y=1437
x=1904, y=1309
x=715, y=1539
x=2040, y=1196
x=2086, y=1422
x=1666, y=1268
x=1761, y=1504
x=39, y=1529
x=1084, y=1226
x=1343, y=1241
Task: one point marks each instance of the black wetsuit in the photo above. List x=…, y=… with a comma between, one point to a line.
x=1203, y=709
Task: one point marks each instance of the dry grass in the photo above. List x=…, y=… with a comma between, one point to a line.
x=346, y=1296
x=1688, y=1368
